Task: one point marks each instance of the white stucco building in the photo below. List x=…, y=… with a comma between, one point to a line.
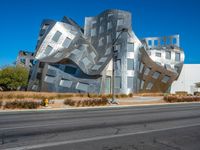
x=190, y=75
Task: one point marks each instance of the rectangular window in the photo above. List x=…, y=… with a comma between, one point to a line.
x=150, y=43
x=174, y=41
x=66, y=42
x=65, y=83
x=93, y=55
x=117, y=47
x=110, y=15
x=177, y=56
x=168, y=67
x=76, y=52
x=94, y=23
x=56, y=36
x=103, y=59
x=109, y=25
x=101, y=19
x=158, y=54
x=108, y=51
x=165, y=79
x=48, y=50
x=147, y=70
x=141, y=67
x=41, y=64
x=149, y=86
x=108, y=85
x=93, y=32
x=58, y=55
x=49, y=79
x=45, y=26
x=96, y=67
x=101, y=29
x=155, y=42
x=120, y=22
x=156, y=75
x=23, y=60
x=109, y=40
x=167, y=55
x=70, y=70
x=51, y=72
x=82, y=86
x=142, y=84
x=117, y=82
x=130, y=64
x=176, y=68
x=130, y=82
x=130, y=47
x=101, y=41
x=39, y=75
x=118, y=64
x=86, y=61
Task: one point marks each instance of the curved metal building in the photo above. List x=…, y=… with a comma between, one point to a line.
x=72, y=59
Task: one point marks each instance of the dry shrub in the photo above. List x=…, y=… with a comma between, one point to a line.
x=34, y=95
x=109, y=96
x=150, y=94
x=130, y=95
x=182, y=93
x=81, y=95
x=69, y=102
x=123, y=95
x=87, y=102
x=21, y=104
x=91, y=95
x=178, y=98
x=197, y=93
x=1, y=103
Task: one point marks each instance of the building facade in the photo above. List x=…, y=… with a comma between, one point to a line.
x=73, y=59
x=187, y=80
x=25, y=59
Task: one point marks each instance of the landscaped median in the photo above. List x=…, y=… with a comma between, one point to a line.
x=30, y=104
x=40, y=100
x=34, y=100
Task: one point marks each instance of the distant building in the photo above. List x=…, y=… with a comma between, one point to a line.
x=190, y=75
x=71, y=59
x=25, y=59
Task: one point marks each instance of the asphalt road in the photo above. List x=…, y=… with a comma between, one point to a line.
x=161, y=127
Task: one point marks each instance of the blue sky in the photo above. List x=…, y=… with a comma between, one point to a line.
x=20, y=21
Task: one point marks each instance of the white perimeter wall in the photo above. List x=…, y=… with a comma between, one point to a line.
x=190, y=75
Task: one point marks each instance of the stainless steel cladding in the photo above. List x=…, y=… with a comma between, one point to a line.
x=72, y=59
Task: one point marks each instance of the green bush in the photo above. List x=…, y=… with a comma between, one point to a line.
x=13, y=77
x=21, y=105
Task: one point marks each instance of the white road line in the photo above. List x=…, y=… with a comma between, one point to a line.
x=97, y=138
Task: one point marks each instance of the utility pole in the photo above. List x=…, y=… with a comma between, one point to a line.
x=114, y=56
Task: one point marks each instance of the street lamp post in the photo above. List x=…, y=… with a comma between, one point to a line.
x=114, y=55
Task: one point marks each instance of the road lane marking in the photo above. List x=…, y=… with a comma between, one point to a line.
x=98, y=138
